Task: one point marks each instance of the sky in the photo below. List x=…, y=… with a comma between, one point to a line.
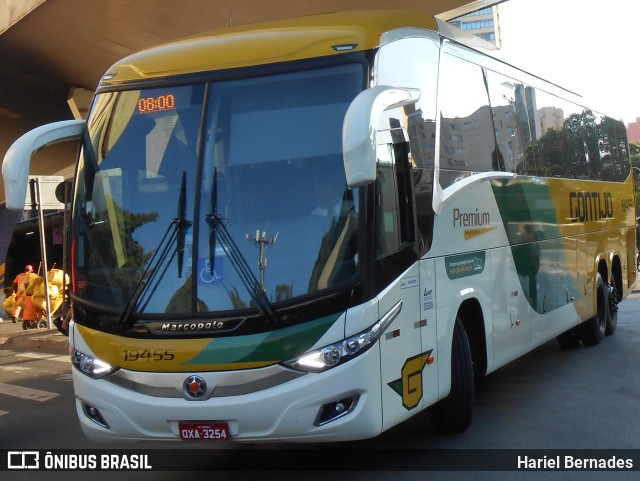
x=589, y=47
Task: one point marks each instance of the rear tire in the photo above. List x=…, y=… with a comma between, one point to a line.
x=593, y=330
x=454, y=413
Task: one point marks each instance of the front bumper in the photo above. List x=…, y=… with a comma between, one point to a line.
x=261, y=405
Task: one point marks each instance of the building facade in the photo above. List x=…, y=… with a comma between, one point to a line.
x=484, y=23
x=633, y=131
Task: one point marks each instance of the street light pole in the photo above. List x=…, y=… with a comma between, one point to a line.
x=43, y=251
x=262, y=240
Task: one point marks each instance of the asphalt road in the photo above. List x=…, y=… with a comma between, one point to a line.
x=552, y=398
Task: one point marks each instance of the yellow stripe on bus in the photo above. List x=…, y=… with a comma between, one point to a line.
x=155, y=355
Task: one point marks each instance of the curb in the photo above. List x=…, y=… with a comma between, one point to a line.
x=49, y=340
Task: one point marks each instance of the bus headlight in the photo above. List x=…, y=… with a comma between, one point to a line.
x=91, y=366
x=333, y=355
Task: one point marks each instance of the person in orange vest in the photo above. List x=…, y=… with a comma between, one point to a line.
x=16, y=283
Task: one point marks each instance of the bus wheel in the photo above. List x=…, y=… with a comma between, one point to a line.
x=592, y=331
x=454, y=412
x=612, y=311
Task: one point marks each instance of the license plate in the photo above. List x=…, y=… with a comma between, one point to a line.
x=204, y=431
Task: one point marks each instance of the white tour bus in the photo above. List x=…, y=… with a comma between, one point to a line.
x=314, y=229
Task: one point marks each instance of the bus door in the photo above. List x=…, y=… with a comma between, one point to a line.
x=402, y=358
x=400, y=350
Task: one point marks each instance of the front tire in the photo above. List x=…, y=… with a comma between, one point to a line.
x=593, y=330
x=454, y=413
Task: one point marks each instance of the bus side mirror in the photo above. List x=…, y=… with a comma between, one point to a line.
x=15, y=167
x=359, y=130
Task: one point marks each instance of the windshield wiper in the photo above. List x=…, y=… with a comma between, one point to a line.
x=164, y=254
x=149, y=275
x=214, y=212
x=181, y=222
x=218, y=230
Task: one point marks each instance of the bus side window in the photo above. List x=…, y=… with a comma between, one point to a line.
x=514, y=112
x=561, y=148
x=616, y=165
x=467, y=137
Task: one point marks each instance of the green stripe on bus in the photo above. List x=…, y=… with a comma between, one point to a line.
x=528, y=213
x=273, y=346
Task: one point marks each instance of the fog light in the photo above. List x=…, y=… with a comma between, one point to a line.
x=92, y=413
x=336, y=409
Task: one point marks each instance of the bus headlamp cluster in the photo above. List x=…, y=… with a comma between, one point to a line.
x=91, y=366
x=333, y=355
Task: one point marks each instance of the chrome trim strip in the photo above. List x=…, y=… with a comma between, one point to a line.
x=169, y=390
x=390, y=316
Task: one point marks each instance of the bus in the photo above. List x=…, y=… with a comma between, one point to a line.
x=313, y=229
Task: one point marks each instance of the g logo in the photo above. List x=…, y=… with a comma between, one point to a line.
x=409, y=386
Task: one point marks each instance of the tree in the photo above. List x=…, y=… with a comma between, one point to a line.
x=585, y=147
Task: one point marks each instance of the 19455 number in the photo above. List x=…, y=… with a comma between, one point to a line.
x=149, y=355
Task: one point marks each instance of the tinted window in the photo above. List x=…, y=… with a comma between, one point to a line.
x=467, y=138
x=513, y=106
x=575, y=142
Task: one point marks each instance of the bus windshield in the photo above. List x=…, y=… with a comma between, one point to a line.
x=215, y=196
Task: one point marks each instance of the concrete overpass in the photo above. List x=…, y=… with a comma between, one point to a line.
x=55, y=51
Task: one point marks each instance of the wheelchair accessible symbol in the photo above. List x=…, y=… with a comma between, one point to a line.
x=206, y=275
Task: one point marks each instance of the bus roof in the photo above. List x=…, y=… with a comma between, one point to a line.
x=264, y=43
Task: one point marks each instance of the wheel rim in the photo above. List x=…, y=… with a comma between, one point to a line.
x=602, y=313
x=613, y=301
